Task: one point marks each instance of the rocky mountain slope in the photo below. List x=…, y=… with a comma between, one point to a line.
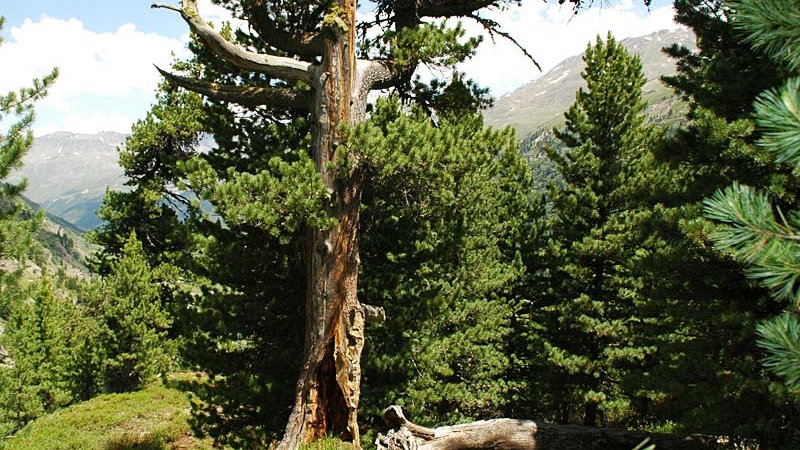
x=68, y=174
x=541, y=103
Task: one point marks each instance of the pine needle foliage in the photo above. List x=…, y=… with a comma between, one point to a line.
x=771, y=26
x=781, y=338
x=752, y=229
x=778, y=115
x=587, y=312
x=758, y=235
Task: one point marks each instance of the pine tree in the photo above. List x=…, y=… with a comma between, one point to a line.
x=133, y=345
x=586, y=324
x=286, y=200
x=754, y=230
x=711, y=353
x=52, y=354
x=16, y=233
x=441, y=221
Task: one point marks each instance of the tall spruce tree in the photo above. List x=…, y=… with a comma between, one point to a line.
x=585, y=319
x=126, y=304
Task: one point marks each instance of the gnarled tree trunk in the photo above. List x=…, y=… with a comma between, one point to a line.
x=328, y=389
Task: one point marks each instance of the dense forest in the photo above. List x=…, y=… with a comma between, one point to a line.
x=337, y=252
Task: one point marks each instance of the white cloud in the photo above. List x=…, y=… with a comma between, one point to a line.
x=552, y=33
x=100, y=73
x=108, y=81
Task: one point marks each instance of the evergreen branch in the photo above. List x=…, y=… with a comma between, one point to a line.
x=307, y=44
x=771, y=26
x=780, y=337
x=22, y=101
x=752, y=234
x=778, y=113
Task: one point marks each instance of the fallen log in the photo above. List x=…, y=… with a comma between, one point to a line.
x=516, y=434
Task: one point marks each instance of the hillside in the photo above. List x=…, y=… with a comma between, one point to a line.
x=156, y=417
x=542, y=102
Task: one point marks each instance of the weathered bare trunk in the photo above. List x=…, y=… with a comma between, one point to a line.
x=328, y=389
x=515, y=434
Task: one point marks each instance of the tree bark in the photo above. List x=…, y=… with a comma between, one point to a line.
x=516, y=434
x=328, y=389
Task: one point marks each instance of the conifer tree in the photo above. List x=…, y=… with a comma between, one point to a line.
x=713, y=360
x=585, y=326
x=133, y=325
x=16, y=110
x=441, y=225
x=52, y=355
x=753, y=229
x=296, y=74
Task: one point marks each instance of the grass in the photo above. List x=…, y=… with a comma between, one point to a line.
x=154, y=418
x=327, y=444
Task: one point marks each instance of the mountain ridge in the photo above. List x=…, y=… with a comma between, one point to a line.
x=542, y=102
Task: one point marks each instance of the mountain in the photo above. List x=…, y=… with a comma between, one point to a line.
x=541, y=103
x=68, y=174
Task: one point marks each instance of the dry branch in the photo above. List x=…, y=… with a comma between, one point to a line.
x=278, y=66
x=244, y=95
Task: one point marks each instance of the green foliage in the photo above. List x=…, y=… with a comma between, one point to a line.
x=433, y=44
x=770, y=26
x=587, y=308
x=228, y=268
x=752, y=234
x=16, y=140
x=156, y=417
x=442, y=216
x=133, y=324
x=749, y=230
x=781, y=338
x=327, y=444
x=778, y=115
x=280, y=199
x=16, y=231
x=52, y=351
x=159, y=141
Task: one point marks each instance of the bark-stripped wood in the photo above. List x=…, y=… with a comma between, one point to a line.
x=515, y=434
x=289, y=99
x=278, y=66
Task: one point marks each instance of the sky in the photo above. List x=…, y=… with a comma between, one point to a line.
x=105, y=50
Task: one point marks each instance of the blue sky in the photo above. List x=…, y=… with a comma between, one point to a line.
x=96, y=15
x=106, y=49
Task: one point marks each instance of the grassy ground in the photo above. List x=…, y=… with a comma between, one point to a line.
x=155, y=418
x=327, y=444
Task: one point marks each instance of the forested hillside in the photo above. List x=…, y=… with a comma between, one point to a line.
x=336, y=252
